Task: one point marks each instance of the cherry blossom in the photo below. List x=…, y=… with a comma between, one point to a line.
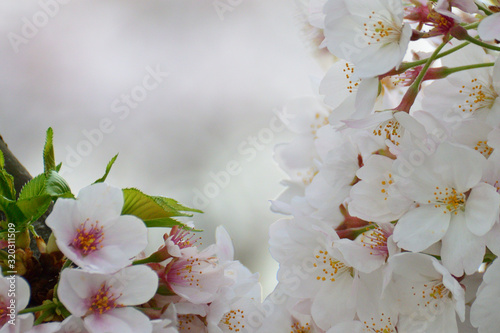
x=454, y=206
x=14, y=296
x=370, y=34
x=92, y=233
x=430, y=298
x=104, y=300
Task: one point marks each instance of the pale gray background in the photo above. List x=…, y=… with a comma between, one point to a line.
x=225, y=78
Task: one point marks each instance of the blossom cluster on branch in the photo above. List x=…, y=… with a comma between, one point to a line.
x=393, y=203
x=93, y=274
x=394, y=174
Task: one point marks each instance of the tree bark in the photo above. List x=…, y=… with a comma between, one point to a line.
x=21, y=177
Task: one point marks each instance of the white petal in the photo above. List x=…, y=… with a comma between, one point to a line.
x=123, y=320
x=482, y=208
x=137, y=284
x=489, y=28
x=334, y=304
x=461, y=250
x=225, y=249
x=100, y=202
x=420, y=228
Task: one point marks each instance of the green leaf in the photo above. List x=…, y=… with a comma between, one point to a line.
x=33, y=208
x=154, y=212
x=56, y=186
x=49, y=162
x=7, y=185
x=34, y=188
x=2, y=160
x=108, y=168
x=141, y=205
x=166, y=222
x=7, y=188
x=174, y=206
x=12, y=212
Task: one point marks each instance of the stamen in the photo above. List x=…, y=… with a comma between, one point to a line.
x=88, y=240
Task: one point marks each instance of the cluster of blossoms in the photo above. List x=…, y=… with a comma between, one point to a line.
x=108, y=284
x=394, y=174
x=393, y=202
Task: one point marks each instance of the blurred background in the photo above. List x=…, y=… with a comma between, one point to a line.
x=185, y=91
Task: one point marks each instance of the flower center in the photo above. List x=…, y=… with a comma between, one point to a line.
x=432, y=294
x=187, y=272
x=483, y=148
x=232, y=320
x=376, y=241
x=391, y=130
x=380, y=29
x=183, y=238
x=88, y=240
x=297, y=327
x=388, y=181
x=450, y=199
x=329, y=267
x=104, y=301
x=4, y=311
x=379, y=325
x=478, y=95
x=351, y=86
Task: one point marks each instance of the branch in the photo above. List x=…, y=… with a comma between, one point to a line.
x=21, y=177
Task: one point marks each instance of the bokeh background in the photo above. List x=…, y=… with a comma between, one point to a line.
x=82, y=68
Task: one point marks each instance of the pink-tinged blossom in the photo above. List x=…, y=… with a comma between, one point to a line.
x=23, y=324
x=444, y=7
x=196, y=276
x=370, y=34
x=370, y=250
x=92, y=233
x=71, y=324
x=14, y=296
x=104, y=300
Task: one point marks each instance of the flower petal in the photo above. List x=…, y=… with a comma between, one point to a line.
x=421, y=227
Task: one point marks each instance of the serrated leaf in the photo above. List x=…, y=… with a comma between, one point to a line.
x=34, y=188
x=49, y=161
x=56, y=186
x=154, y=212
x=33, y=208
x=141, y=205
x=166, y=222
x=108, y=168
x=173, y=205
x=7, y=188
x=12, y=212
